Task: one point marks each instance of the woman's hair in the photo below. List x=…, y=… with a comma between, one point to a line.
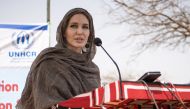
x=61, y=39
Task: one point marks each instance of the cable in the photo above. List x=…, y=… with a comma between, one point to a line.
x=173, y=94
x=156, y=105
x=177, y=93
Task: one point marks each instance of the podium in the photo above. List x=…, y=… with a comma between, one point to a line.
x=136, y=95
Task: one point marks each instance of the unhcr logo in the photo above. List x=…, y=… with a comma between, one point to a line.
x=23, y=40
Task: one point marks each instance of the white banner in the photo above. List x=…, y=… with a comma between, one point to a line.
x=21, y=43
x=11, y=85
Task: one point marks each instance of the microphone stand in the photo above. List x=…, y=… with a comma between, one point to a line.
x=120, y=80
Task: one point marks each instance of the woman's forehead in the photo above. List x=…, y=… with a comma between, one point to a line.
x=79, y=18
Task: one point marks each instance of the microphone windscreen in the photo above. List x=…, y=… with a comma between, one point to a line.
x=97, y=41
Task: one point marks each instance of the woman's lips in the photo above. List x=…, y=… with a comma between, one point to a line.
x=79, y=40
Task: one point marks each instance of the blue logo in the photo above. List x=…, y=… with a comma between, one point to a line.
x=23, y=40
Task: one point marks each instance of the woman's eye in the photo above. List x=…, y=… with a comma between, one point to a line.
x=85, y=27
x=74, y=26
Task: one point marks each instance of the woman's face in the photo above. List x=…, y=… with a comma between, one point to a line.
x=77, y=32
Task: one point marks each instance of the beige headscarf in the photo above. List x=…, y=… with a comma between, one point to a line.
x=59, y=73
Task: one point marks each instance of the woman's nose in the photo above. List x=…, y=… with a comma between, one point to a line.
x=79, y=30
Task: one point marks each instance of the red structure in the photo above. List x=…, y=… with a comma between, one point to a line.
x=136, y=95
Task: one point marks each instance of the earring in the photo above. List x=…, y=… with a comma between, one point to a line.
x=85, y=49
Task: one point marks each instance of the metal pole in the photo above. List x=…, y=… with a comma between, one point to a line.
x=48, y=19
x=48, y=11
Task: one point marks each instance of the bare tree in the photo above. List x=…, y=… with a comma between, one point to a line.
x=160, y=22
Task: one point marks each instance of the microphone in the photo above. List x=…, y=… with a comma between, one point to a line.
x=98, y=42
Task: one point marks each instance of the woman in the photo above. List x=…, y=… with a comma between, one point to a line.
x=66, y=70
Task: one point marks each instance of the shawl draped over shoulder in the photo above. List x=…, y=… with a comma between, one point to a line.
x=59, y=73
